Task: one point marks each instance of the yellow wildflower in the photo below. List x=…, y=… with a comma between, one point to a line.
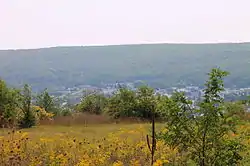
x=158, y=163
x=118, y=163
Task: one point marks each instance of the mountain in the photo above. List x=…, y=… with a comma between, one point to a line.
x=160, y=65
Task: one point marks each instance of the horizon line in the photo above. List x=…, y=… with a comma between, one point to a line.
x=125, y=44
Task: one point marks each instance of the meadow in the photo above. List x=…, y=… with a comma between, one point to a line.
x=90, y=144
x=80, y=145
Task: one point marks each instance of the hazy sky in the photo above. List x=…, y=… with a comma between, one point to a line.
x=45, y=23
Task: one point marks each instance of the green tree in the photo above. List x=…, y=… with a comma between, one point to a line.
x=235, y=110
x=122, y=104
x=9, y=103
x=140, y=103
x=146, y=102
x=93, y=103
x=47, y=102
x=28, y=120
x=201, y=131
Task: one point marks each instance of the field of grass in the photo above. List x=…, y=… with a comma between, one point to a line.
x=102, y=144
x=80, y=145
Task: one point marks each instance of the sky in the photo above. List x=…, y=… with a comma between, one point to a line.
x=49, y=23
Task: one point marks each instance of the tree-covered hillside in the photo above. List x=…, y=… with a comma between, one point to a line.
x=160, y=65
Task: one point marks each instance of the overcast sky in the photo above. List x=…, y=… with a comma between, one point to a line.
x=46, y=23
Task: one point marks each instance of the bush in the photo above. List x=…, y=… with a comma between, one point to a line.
x=202, y=132
x=28, y=120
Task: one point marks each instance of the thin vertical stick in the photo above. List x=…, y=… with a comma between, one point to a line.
x=153, y=147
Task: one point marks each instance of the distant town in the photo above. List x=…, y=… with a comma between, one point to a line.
x=74, y=95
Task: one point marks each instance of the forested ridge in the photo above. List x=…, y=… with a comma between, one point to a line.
x=160, y=65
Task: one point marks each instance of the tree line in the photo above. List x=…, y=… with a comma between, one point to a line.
x=21, y=108
x=144, y=101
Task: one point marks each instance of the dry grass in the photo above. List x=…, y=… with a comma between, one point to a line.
x=91, y=131
x=89, y=119
x=78, y=119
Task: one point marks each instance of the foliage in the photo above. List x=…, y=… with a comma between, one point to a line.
x=122, y=104
x=9, y=104
x=41, y=114
x=93, y=103
x=16, y=107
x=128, y=103
x=28, y=120
x=236, y=111
x=202, y=131
x=65, y=111
x=146, y=102
x=47, y=102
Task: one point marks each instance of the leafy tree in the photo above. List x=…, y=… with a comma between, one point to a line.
x=9, y=102
x=146, y=102
x=93, y=103
x=65, y=111
x=201, y=132
x=122, y=103
x=128, y=103
x=28, y=120
x=235, y=110
x=47, y=102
